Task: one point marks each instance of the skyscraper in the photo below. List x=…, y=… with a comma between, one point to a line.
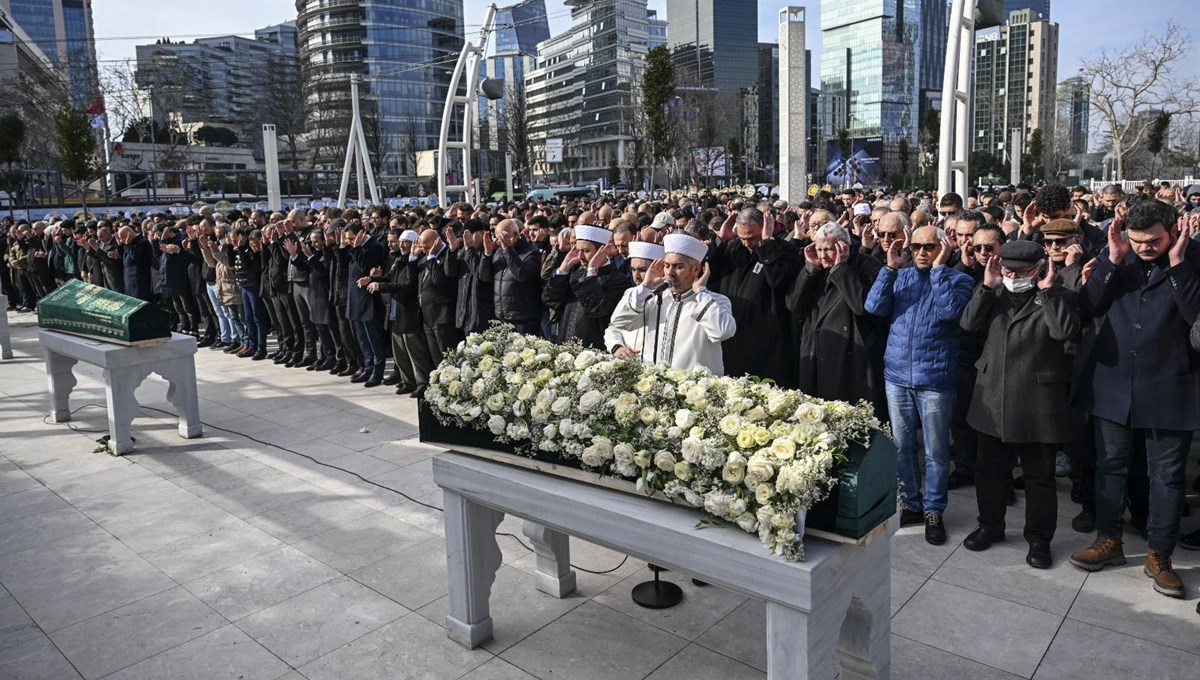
x=581, y=89
x=711, y=43
x=1039, y=7
x=656, y=30
x=1016, y=72
x=33, y=86
x=63, y=31
x=519, y=29
x=1074, y=103
x=403, y=52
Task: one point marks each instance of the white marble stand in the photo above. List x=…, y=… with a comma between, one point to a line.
x=5, y=338
x=838, y=601
x=124, y=369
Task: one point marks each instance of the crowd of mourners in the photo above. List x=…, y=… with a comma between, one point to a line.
x=1008, y=337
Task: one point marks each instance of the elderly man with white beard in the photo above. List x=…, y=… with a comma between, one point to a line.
x=642, y=255
x=683, y=322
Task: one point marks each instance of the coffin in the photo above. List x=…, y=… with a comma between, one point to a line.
x=84, y=309
x=854, y=512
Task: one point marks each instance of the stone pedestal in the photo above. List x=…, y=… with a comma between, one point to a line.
x=835, y=603
x=124, y=369
x=5, y=338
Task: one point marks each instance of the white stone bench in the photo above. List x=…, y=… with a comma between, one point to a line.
x=839, y=600
x=124, y=369
x=5, y=338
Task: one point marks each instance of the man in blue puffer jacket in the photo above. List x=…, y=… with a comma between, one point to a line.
x=920, y=365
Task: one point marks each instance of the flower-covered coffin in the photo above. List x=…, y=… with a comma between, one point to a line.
x=739, y=450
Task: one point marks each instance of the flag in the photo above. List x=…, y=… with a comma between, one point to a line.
x=97, y=121
x=97, y=107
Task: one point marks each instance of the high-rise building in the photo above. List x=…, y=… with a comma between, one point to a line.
x=580, y=94
x=1040, y=7
x=709, y=43
x=876, y=58
x=1074, y=103
x=63, y=30
x=1016, y=73
x=34, y=86
x=402, y=51
x=218, y=81
x=519, y=29
x=656, y=30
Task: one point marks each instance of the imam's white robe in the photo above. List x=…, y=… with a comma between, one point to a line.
x=688, y=332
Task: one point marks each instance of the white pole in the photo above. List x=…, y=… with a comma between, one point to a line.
x=271, y=163
x=949, y=85
x=1015, y=148
x=350, y=143
x=508, y=187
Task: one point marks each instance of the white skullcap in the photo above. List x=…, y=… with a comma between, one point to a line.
x=862, y=209
x=686, y=245
x=584, y=232
x=662, y=220
x=409, y=235
x=645, y=250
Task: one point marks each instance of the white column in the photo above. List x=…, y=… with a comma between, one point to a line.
x=271, y=165
x=793, y=109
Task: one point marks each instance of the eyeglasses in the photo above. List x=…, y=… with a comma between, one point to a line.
x=927, y=247
x=1060, y=242
x=949, y=213
x=984, y=248
x=887, y=235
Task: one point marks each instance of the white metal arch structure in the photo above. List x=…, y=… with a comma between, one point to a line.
x=954, y=146
x=467, y=66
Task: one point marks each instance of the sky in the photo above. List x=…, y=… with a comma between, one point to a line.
x=1085, y=27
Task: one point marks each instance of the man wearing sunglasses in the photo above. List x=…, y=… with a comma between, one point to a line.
x=1020, y=401
x=923, y=303
x=950, y=205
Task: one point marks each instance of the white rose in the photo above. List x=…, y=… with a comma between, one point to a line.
x=645, y=385
x=648, y=415
x=626, y=400
x=783, y=449
x=544, y=398
x=486, y=346
x=685, y=418
x=623, y=453
x=642, y=458
x=586, y=358
x=486, y=364
x=663, y=460
x=478, y=388
x=590, y=401
x=512, y=360
x=777, y=403
x=604, y=447
x=560, y=406
x=756, y=414
x=550, y=431
x=496, y=424
x=526, y=392
x=495, y=403
x=692, y=450
x=735, y=468
x=518, y=409
x=539, y=413
x=683, y=470
x=748, y=522
x=759, y=468
x=567, y=427
x=763, y=493
x=529, y=356
x=730, y=425
x=585, y=383
x=810, y=413
x=716, y=503
x=474, y=412
x=591, y=457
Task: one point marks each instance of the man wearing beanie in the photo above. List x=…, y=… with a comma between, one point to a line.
x=1020, y=401
x=684, y=323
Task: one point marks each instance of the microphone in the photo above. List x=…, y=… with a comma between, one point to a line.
x=664, y=286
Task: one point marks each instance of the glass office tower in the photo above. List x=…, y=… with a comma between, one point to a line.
x=714, y=43
x=62, y=29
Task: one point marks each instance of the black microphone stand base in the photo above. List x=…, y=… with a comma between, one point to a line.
x=657, y=594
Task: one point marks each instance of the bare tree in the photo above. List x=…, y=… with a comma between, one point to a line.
x=1138, y=78
x=515, y=138
x=282, y=103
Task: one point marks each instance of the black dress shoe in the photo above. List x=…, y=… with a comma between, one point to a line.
x=307, y=361
x=1039, y=555
x=360, y=377
x=935, y=530
x=419, y=392
x=292, y=360
x=392, y=379
x=280, y=359
x=337, y=368
x=982, y=539
x=323, y=366
x=348, y=371
x=404, y=389
x=259, y=355
x=1085, y=523
x=247, y=353
x=1011, y=497
x=1190, y=541
x=375, y=381
x=911, y=518
x=206, y=342
x=958, y=480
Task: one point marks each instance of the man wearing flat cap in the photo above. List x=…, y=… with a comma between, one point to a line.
x=684, y=324
x=584, y=297
x=642, y=255
x=1063, y=242
x=1021, y=397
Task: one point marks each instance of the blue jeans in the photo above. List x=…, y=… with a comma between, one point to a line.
x=933, y=411
x=371, y=342
x=1166, y=458
x=254, y=313
x=227, y=334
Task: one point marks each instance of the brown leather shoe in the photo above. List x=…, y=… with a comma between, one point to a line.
x=1166, y=581
x=1103, y=552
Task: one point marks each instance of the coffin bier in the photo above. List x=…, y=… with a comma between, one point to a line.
x=93, y=312
x=854, y=512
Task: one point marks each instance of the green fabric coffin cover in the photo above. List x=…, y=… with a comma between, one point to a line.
x=84, y=309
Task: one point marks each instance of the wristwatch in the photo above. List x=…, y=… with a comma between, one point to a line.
x=592, y=271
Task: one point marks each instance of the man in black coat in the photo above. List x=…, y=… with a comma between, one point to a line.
x=585, y=297
x=756, y=271
x=296, y=231
x=363, y=309
x=137, y=255
x=277, y=292
x=841, y=345
x=514, y=270
x=437, y=294
x=1020, y=406
x=475, y=308
x=410, y=350
x=112, y=270
x=1141, y=383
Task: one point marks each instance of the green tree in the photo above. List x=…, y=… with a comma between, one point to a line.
x=211, y=135
x=12, y=137
x=77, y=157
x=658, y=87
x=614, y=170
x=1157, y=137
x=904, y=159
x=733, y=159
x=1035, y=158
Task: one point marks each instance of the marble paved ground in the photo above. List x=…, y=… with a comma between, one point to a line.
x=223, y=557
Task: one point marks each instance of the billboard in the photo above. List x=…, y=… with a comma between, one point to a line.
x=864, y=165
x=554, y=150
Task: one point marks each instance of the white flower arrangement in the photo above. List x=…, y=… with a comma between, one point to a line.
x=741, y=450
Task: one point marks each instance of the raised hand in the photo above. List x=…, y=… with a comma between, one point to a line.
x=655, y=275
x=1118, y=247
x=810, y=256
x=489, y=246
x=1078, y=214
x=1047, y=280
x=1182, y=238
x=992, y=278
x=1087, y=271
x=869, y=237
x=305, y=249
x=768, y=229
x=702, y=280
x=1074, y=254
x=452, y=238
x=895, y=254
x=967, y=253
x=291, y=247
x=570, y=263
x=948, y=246
x=602, y=256
x=1031, y=220
x=841, y=253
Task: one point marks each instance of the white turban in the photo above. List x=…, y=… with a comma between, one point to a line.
x=645, y=250
x=599, y=235
x=409, y=235
x=686, y=245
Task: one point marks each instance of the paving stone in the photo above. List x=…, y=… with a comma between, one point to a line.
x=259, y=583
x=224, y=653
x=358, y=543
x=35, y=659
x=697, y=663
x=409, y=648
x=1082, y=650
x=210, y=551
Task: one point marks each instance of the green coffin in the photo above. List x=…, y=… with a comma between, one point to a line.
x=865, y=494
x=91, y=311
